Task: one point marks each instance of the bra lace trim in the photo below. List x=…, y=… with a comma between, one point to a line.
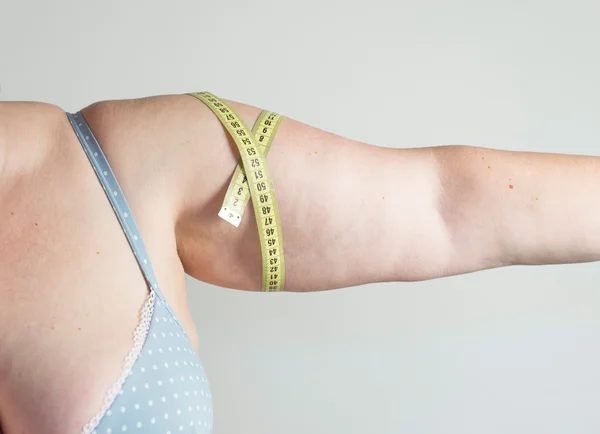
x=139, y=338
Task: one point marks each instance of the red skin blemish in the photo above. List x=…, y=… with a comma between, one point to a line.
x=511, y=186
x=36, y=224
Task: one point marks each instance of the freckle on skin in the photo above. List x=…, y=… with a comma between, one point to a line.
x=97, y=253
x=489, y=167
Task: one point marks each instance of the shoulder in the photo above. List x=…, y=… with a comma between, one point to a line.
x=173, y=143
x=25, y=119
x=29, y=134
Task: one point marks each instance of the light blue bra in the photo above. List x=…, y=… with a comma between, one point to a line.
x=162, y=388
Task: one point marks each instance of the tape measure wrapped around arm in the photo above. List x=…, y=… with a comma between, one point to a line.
x=238, y=193
x=252, y=179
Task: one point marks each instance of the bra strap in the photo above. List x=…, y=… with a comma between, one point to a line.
x=117, y=199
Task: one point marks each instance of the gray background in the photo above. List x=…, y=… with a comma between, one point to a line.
x=512, y=350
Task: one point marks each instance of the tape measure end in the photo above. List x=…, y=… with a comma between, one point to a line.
x=230, y=217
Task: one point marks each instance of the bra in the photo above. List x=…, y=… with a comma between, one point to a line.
x=162, y=387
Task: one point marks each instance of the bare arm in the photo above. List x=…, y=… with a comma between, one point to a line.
x=351, y=213
x=519, y=208
x=354, y=213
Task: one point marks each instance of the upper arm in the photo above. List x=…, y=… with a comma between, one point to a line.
x=351, y=213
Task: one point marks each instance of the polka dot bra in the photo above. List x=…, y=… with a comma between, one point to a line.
x=162, y=388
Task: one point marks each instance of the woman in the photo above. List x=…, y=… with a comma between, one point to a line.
x=72, y=292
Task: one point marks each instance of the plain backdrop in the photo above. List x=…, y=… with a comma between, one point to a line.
x=513, y=350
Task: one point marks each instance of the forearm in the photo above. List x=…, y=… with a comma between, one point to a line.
x=519, y=208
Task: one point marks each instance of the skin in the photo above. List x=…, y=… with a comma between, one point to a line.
x=352, y=213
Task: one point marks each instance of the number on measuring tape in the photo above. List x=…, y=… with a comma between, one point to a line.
x=252, y=179
x=238, y=195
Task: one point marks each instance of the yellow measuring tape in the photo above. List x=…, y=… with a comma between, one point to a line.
x=238, y=194
x=252, y=179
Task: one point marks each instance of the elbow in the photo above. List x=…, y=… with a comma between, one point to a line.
x=467, y=211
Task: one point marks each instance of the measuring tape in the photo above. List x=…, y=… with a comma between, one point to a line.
x=253, y=175
x=238, y=194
